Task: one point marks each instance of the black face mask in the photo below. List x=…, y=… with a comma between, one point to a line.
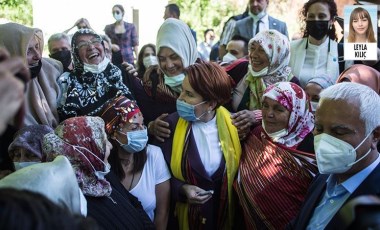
x=35, y=70
x=64, y=56
x=317, y=29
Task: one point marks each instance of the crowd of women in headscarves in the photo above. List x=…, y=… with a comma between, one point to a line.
x=185, y=144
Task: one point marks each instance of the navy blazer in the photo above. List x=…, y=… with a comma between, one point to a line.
x=244, y=27
x=316, y=191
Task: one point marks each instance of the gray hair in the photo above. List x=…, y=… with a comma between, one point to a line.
x=367, y=99
x=57, y=37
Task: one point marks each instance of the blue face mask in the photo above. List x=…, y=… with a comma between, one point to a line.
x=187, y=111
x=137, y=140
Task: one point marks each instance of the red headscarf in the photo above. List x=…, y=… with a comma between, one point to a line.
x=83, y=141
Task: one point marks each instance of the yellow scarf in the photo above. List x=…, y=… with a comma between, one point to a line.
x=231, y=149
x=257, y=87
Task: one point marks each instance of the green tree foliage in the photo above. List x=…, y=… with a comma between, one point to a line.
x=19, y=11
x=204, y=14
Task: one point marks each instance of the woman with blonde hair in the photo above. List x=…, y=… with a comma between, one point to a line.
x=361, y=29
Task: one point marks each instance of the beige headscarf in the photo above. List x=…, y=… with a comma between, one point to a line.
x=43, y=91
x=56, y=180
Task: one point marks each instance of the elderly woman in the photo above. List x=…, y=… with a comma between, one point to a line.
x=362, y=74
x=203, y=150
x=84, y=142
x=141, y=168
x=269, y=54
x=42, y=91
x=159, y=90
x=275, y=169
x=94, y=80
x=26, y=148
x=314, y=87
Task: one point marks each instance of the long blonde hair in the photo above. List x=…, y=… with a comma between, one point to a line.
x=362, y=13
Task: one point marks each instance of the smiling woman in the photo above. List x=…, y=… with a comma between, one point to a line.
x=361, y=29
x=275, y=169
x=94, y=80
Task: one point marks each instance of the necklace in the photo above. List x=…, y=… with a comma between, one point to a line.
x=130, y=186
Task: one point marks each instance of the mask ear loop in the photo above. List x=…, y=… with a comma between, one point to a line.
x=121, y=144
x=351, y=164
x=77, y=148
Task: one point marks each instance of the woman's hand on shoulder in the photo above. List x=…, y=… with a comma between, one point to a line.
x=196, y=195
x=243, y=120
x=159, y=128
x=130, y=69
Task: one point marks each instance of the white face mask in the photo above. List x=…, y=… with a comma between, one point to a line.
x=149, y=61
x=276, y=135
x=20, y=165
x=175, y=82
x=96, y=68
x=260, y=73
x=229, y=58
x=334, y=155
x=118, y=17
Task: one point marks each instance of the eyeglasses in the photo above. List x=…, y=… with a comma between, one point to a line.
x=86, y=44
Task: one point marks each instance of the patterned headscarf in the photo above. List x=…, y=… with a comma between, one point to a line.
x=78, y=64
x=30, y=138
x=362, y=74
x=176, y=35
x=117, y=112
x=76, y=138
x=86, y=92
x=277, y=49
x=294, y=99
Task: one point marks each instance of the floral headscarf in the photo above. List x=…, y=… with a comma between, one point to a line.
x=277, y=49
x=79, y=139
x=294, y=99
x=117, y=112
x=86, y=93
x=362, y=74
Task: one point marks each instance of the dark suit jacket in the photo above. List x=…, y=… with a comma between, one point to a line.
x=370, y=186
x=244, y=27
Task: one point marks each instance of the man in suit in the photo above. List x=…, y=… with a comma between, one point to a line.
x=258, y=20
x=172, y=11
x=347, y=129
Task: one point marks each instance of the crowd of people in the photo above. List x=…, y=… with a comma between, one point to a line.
x=268, y=133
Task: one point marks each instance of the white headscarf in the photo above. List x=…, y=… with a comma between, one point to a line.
x=176, y=35
x=56, y=180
